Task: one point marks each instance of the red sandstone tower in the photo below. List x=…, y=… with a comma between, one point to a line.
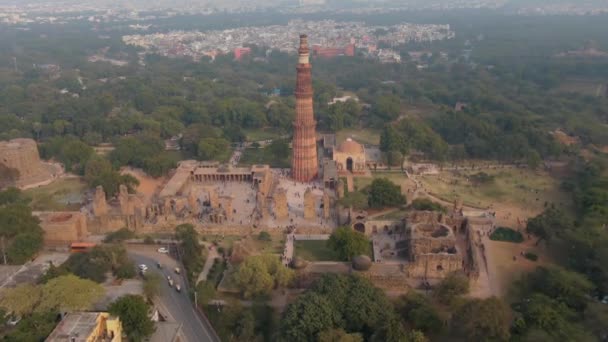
x=304, y=163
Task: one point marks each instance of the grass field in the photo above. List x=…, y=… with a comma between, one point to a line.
x=253, y=156
x=61, y=195
x=314, y=250
x=395, y=177
x=364, y=136
x=522, y=188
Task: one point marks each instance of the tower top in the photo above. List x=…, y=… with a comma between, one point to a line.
x=303, y=50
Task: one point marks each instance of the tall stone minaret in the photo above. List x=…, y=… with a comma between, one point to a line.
x=304, y=163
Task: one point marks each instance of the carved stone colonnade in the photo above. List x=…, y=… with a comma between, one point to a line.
x=219, y=177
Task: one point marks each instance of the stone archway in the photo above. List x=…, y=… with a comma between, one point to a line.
x=360, y=227
x=349, y=164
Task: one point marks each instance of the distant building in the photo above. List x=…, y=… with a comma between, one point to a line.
x=87, y=327
x=330, y=52
x=350, y=157
x=460, y=106
x=241, y=52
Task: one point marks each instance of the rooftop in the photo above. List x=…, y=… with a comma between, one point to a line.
x=76, y=327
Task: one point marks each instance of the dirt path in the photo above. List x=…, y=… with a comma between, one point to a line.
x=350, y=183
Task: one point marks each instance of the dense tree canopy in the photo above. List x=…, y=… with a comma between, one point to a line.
x=134, y=314
x=348, y=243
x=64, y=293
x=260, y=274
x=348, y=303
x=18, y=228
x=383, y=193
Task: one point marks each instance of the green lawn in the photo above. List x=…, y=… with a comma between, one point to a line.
x=395, y=177
x=314, y=250
x=61, y=195
x=519, y=187
x=364, y=136
x=254, y=156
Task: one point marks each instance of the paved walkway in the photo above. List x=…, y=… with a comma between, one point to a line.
x=289, y=249
x=350, y=183
x=213, y=254
x=311, y=236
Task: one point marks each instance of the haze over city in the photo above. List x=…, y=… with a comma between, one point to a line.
x=303, y=170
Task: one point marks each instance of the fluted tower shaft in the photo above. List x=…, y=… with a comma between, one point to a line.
x=304, y=163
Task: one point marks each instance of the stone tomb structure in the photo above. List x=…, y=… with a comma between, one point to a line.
x=432, y=251
x=22, y=158
x=350, y=157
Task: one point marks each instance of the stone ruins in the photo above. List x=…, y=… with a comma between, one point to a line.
x=22, y=164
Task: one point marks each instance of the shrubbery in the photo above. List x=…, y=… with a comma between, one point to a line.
x=506, y=234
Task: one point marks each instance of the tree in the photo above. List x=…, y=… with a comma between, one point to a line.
x=120, y=235
x=483, y=320
x=348, y=243
x=70, y=293
x=309, y=315
x=18, y=227
x=452, y=286
x=205, y=292
x=213, y=148
x=418, y=311
x=355, y=199
x=192, y=251
x=350, y=303
x=568, y=287
x=35, y=327
x=384, y=193
x=339, y=335
x=21, y=300
x=550, y=223
x=259, y=274
x=152, y=285
x=99, y=171
x=133, y=312
x=427, y=204
x=64, y=293
x=279, y=149
x=100, y=260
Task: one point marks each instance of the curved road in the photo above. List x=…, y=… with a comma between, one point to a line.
x=175, y=306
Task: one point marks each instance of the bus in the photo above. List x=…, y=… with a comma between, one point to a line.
x=80, y=247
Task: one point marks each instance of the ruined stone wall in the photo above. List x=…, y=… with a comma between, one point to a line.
x=428, y=245
x=63, y=228
x=22, y=155
x=434, y=266
x=281, y=210
x=378, y=226
x=309, y=204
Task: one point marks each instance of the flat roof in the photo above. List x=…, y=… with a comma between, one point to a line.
x=78, y=325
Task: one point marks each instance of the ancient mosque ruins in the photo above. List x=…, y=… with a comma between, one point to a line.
x=301, y=201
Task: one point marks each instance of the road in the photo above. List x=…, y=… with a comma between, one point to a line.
x=176, y=306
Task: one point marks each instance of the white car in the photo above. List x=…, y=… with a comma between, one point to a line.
x=143, y=267
x=163, y=250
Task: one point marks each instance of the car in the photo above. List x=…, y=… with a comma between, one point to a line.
x=177, y=270
x=163, y=250
x=178, y=288
x=159, y=265
x=170, y=282
x=143, y=267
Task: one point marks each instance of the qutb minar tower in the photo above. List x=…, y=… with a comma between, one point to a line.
x=304, y=163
